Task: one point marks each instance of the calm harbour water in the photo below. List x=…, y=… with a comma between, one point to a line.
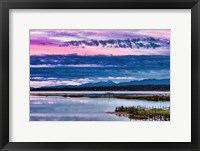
x=58, y=108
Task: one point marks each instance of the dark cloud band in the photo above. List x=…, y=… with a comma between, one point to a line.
x=135, y=43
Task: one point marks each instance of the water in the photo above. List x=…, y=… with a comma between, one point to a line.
x=58, y=108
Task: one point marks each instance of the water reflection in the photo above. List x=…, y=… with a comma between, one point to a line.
x=58, y=108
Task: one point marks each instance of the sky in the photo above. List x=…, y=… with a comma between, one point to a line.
x=100, y=42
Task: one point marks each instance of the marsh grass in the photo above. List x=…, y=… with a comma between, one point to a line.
x=149, y=98
x=110, y=95
x=142, y=113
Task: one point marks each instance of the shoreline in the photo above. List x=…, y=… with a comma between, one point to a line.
x=141, y=113
x=103, y=92
x=128, y=96
x=118, y=113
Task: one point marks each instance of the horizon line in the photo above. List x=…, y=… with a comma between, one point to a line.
x=96, y=55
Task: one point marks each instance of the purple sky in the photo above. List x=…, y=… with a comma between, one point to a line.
x=103, y=42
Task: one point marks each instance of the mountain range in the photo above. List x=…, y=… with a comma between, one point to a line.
x=136, y=82
x=110, y=83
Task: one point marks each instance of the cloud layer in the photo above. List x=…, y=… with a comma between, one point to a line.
x=107, y=42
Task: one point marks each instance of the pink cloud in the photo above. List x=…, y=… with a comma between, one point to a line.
x=53, y=42
x=40, y=50
x=157, y=33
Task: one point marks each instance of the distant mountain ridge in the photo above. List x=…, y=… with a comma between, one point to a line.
x=136, y=82
x=110, y=83
x=146, y=82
